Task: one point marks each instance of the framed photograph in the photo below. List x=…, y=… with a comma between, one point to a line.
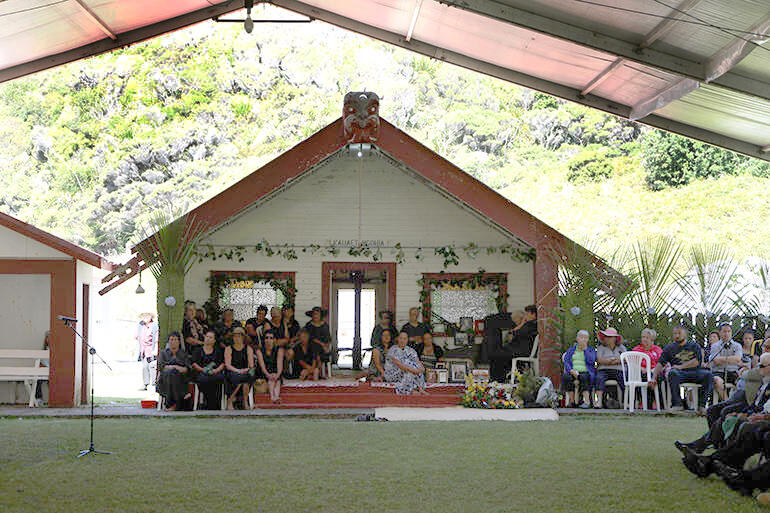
x=461, y=339
x=439, y=328
x=478, y=327
x=442, y=376
x=466, y=323
x=506, y=336
x=431, y=375
x=457, y=371
x=480, y=375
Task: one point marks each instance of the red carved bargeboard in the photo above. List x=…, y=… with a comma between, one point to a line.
x=361, y=117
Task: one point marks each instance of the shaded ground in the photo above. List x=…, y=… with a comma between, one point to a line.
x=234, y=464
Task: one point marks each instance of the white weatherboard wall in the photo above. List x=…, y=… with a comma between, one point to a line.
x=396, y=206
x=25, y=318
x=16, y=245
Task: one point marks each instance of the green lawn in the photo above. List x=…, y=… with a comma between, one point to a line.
x=182, y=464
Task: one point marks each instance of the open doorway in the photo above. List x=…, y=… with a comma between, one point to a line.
x=353, y=293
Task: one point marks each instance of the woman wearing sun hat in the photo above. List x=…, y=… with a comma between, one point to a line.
x=608, y=362
x=320, y=334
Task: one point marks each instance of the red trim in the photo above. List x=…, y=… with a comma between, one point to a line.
x=328, y=267
x=55, y=242
x=426, y=305
x=61, y=382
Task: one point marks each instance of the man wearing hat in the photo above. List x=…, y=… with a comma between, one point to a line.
x=608, y=365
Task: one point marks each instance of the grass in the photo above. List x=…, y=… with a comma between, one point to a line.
x=174, y=464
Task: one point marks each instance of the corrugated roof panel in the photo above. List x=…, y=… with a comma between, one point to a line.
x=632, y=83
x=724, y=112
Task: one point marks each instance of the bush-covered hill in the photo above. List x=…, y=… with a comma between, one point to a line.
x=90, y=149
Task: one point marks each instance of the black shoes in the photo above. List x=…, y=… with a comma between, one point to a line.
x=732, y=477
x=698, y=465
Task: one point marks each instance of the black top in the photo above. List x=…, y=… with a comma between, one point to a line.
x=524, y=339
x=301, y=356
x=221, y=330
x=415, y=331
x=429, y=360
x=321, y=332
x=271, y=360
x=240, y=359
x=200, y=357
x=675, y=354
x=282, y=332
x=167, y=358
x=187, y=331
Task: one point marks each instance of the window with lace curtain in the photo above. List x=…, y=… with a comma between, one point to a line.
x=244, y=297
x=452, y=296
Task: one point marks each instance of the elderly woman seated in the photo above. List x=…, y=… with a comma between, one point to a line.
x=608, y=365
x=580, y=366
x=173, y=367
x=208, y=362
x=403, y=367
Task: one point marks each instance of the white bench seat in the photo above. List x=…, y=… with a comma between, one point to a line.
x=29, y=374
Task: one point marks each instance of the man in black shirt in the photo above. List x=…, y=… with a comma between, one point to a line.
x=192, y=331
x=414, y=328
x=685, y=357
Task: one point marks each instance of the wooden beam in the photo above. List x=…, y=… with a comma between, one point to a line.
x=95, y=19
x=602, y=76
x=667, y=24
x=413, y=23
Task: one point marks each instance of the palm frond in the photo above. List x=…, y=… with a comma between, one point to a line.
x=169, y=243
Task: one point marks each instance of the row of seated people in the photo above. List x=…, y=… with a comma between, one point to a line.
x=238, y=358
x=738, y=429
x=681, y=361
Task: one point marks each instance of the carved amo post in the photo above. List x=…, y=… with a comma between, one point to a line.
x=361, y=117
x=546, y=292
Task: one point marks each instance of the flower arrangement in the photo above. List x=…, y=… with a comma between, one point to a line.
x=488, y=395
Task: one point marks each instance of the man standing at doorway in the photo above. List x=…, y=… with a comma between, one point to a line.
x=147, y=337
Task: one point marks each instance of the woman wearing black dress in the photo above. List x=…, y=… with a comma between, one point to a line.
x=208, y=362
x=239, y=362
x=173, y=366
x=270, y=359
x=320, y=333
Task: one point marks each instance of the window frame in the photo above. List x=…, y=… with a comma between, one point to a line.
x=427, y=287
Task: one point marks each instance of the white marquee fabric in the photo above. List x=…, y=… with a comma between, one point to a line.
x=700, y=68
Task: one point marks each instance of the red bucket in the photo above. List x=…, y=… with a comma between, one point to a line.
x=149, y=404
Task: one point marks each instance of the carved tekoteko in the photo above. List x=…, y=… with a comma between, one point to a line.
x=361, y=117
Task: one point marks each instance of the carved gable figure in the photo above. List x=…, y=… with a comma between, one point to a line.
x=361, y=117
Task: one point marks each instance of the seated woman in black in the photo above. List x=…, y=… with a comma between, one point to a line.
x=208, y=362
x=241, y=373
x=286, y=336
x=173, y=366
x=428, y=352
x=270, y=359
x=319, y=332
x=306, y=357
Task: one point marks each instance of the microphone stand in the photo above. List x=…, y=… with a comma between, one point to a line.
x=91, y=449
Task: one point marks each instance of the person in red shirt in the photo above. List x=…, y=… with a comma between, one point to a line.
x=652, y=350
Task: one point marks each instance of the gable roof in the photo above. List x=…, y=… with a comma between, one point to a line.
x=55, y=242
x=303, y=157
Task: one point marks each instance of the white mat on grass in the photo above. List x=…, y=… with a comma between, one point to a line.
x=461, y=413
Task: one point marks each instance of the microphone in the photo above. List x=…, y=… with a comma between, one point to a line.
x=66, y=319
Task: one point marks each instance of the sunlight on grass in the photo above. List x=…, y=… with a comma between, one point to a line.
x=576, y=464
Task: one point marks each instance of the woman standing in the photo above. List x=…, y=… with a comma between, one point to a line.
x=270, y=359
x=208, y=362
x=403, y=367
x=239, y=362
x=428, y=352
x=173, y=365
x=579, y=365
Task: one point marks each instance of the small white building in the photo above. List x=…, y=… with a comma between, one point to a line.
x=362, y=196
x=42, y=277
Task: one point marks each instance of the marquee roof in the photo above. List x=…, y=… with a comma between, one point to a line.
x=700, y=68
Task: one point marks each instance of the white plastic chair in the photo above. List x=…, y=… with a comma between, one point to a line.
x=632, y=371
x=531, y=359
x=686, y=387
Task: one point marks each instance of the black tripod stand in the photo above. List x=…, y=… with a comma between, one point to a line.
x=91, y=449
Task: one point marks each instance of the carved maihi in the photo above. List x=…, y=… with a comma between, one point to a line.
x=361, y=117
